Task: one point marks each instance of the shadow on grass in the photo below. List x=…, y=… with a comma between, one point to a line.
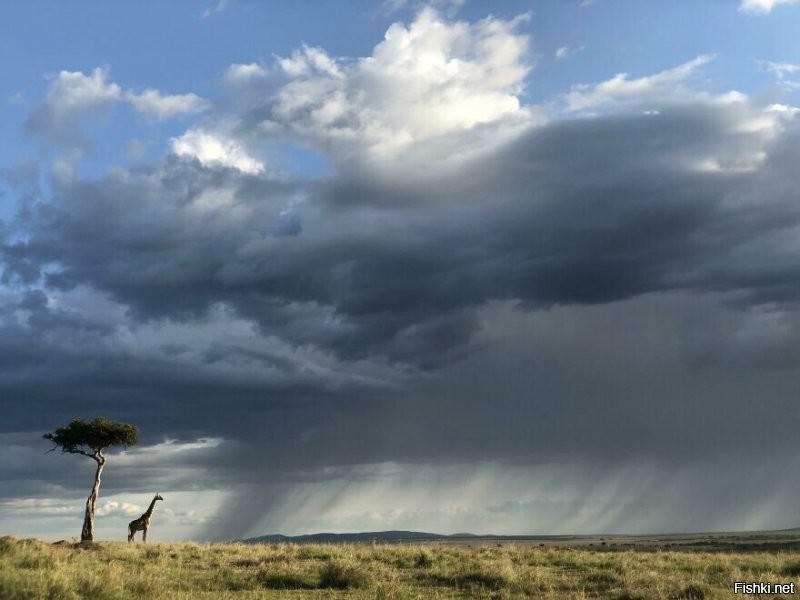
x=334, y=575
x=283, y=580
x=467, y=579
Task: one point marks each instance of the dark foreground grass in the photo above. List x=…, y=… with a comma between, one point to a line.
x=119, y=571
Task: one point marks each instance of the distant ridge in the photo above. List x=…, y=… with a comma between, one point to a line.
x=389, y=536
x=368, y=536
x=781, y=536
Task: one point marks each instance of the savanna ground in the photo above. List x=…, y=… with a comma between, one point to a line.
x=116, y=570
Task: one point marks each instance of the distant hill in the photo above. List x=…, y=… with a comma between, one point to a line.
x=343, y=538
x=394, y=536
x=400, y=537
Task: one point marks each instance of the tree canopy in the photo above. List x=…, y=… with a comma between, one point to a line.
x=92, y=437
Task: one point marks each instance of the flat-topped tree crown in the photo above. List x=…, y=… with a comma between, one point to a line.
x=92, y=437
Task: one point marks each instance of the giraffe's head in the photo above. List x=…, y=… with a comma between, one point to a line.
x=158, y=496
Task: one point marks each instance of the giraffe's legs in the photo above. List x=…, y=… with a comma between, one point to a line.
x=144, y=535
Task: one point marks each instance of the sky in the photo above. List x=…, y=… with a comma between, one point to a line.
x=520, y=267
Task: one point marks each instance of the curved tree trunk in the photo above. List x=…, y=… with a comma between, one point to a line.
x=87, y=533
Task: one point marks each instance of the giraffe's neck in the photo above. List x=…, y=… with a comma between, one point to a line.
x=150, y=509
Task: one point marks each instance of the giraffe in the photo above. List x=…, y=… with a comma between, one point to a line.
x=143, y=522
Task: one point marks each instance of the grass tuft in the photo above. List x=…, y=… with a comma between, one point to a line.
x=287, y=580
x=481, y=579
x=339, y=576
x=423, y=560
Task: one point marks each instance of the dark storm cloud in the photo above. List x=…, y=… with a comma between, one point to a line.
x=57, y=364
x=587, y=211
x=613, y=287
x=69, y=364
x=603, y=387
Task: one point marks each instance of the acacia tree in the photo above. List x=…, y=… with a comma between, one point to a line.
x=91, y=438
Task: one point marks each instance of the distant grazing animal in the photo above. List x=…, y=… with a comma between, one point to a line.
x=143, y=522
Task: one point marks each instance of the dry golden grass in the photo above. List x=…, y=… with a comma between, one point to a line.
x=118, y=571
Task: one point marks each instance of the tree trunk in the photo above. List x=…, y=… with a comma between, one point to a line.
x=87, y=533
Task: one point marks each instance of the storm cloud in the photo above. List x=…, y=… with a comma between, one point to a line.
x=570, y=306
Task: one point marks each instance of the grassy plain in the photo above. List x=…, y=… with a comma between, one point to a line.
x=120, y=571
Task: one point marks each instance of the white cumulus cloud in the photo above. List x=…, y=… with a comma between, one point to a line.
x=71, y=97
x=781, y=69
x=243, y=73
x=113, y=508
x=74, y=94
x=215, y=149
x=309, y=61
x=762, y=6
x=621, y=88
x=163, y=106
x=429, y=79
x=783, y=72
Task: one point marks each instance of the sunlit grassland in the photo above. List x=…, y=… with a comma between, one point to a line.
x=106, y=571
